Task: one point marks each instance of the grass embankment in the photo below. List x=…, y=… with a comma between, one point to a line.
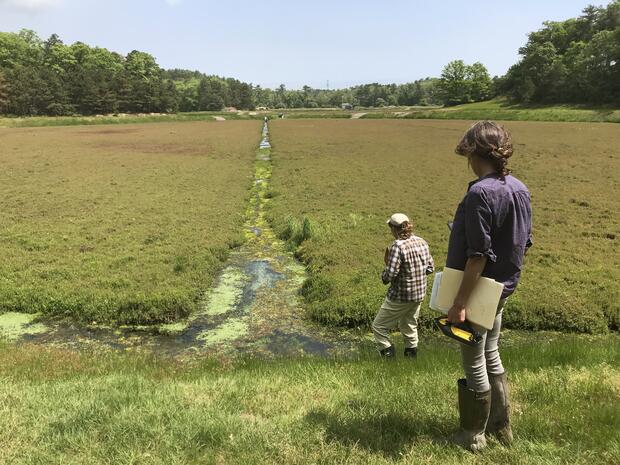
x=498, y=109
x=335, y=183
x=125, y=225
x=494, y=109
x=314, y=114
x=70, y=408
x=501, y=110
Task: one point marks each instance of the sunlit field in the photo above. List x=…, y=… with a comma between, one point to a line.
x=130, y=225
x=120, y=224
x=335, y=182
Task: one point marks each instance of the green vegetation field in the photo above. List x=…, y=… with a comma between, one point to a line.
x=335, y=182
x=70, y=408
x=497, y=109
x=120, y=224
x=501, y=110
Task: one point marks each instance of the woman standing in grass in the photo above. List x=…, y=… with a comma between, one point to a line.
x=490, y=235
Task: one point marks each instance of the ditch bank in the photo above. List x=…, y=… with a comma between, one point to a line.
x=254, y=307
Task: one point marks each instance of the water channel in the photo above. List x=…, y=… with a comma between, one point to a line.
x=253, y=308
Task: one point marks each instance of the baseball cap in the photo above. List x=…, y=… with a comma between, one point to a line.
x=397, y=219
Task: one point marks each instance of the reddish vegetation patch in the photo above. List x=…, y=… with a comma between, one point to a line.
x=107, y=131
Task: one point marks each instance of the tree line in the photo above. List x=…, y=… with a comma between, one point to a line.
x=570, y=61
x=575, y=61
x=48, y=77
x=420, y=92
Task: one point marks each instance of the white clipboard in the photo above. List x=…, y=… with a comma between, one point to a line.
x=482, y=304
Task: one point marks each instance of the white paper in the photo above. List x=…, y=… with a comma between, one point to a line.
x=482, y=304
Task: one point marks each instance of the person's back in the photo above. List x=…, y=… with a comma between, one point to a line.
x=407, y=262
x=502, y=203
x=409, y=282
x=491, y=232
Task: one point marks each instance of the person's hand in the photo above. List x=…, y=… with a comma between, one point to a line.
x=386, y=255
x=456, y=314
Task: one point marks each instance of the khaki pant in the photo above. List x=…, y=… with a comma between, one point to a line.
x=392, y=314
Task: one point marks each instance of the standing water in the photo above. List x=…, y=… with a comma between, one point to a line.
x=253, y=308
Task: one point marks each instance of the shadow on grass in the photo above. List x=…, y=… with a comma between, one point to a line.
x=384, y=432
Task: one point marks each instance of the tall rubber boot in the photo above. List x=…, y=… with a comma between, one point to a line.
x=499, y=418
x=474, y=410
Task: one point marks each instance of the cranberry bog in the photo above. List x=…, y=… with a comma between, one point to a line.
x=336, y=181
x=120, y=224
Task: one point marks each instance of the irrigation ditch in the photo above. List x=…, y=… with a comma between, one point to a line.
x=254, y=307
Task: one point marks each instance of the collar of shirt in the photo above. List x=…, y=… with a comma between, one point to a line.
x=475, y=181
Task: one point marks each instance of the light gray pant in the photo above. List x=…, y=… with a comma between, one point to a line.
x=401, y=314
x=483, y=359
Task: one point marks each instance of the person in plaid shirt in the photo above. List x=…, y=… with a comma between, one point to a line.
x=407, y=263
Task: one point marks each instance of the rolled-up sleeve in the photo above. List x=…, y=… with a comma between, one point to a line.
x=478, y=221
x=430, y=264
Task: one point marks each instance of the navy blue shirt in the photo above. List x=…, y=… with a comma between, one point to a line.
x=494, y=219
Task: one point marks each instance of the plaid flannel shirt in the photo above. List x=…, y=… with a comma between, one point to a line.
x=409, y=261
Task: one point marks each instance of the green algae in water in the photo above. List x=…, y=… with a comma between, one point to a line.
x=173, y=328
x=232, y=329
x=16, y=325
x=227, y=293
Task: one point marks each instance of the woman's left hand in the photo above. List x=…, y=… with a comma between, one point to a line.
x=456, y=314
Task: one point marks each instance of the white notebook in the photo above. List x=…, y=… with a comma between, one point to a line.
x=482, y=304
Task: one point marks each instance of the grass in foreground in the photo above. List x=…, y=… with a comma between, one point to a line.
x=65, y=407
x=335, y=182
x=126, y=224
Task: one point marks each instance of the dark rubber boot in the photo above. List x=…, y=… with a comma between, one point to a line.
x=388, y=352
x=474, y=410
x=499, y=418
x=411, y=352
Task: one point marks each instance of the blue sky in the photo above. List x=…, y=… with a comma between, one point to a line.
x=270, y=42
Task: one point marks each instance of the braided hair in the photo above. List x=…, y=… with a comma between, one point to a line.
x=489, y=141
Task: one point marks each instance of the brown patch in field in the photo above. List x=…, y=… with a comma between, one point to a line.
x=108, y=131
x=152, y=148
